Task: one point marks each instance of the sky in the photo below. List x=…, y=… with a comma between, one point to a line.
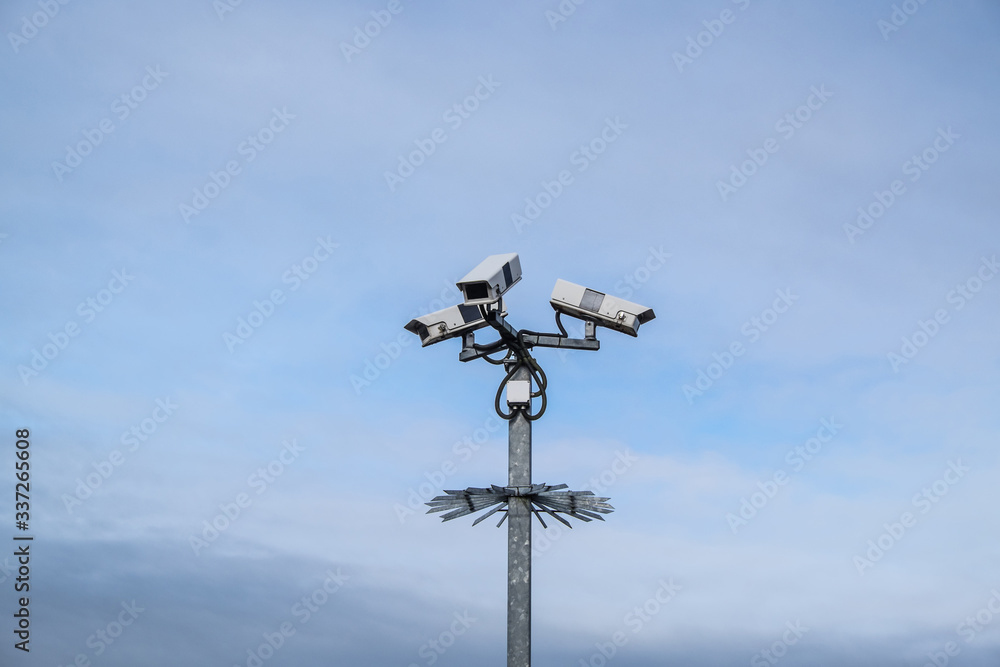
x=216, y=216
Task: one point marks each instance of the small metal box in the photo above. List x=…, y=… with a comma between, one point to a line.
x=519, y=393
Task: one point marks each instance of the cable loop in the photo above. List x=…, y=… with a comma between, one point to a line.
x=541, y=381
x=520, y=352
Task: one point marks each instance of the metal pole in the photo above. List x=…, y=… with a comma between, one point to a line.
x=519, y=539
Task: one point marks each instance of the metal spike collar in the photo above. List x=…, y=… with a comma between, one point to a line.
x=544, y=499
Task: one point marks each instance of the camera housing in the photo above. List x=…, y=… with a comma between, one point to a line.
x=602, y=309
x=490, y=279
x=451, y=322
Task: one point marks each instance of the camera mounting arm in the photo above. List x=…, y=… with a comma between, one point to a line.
x=519, y=342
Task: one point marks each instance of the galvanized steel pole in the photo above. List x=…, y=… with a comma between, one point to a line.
x=482, y=291
x=519, y=537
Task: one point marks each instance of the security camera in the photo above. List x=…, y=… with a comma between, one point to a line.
x=444, y=324
x=488, y=281
x=603, y=310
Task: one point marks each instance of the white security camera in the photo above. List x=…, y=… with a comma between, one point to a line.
x=448, y=323
x=488, y=281
x=603, y=310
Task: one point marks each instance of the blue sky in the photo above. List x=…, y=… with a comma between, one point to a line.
x=217, y=218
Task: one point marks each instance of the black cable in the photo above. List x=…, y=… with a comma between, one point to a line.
x=559, y=324
x=533, y=365
x=490, y=347
x=496, y=362
x=520, y=351
x=562, y=330
x=541, y=381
